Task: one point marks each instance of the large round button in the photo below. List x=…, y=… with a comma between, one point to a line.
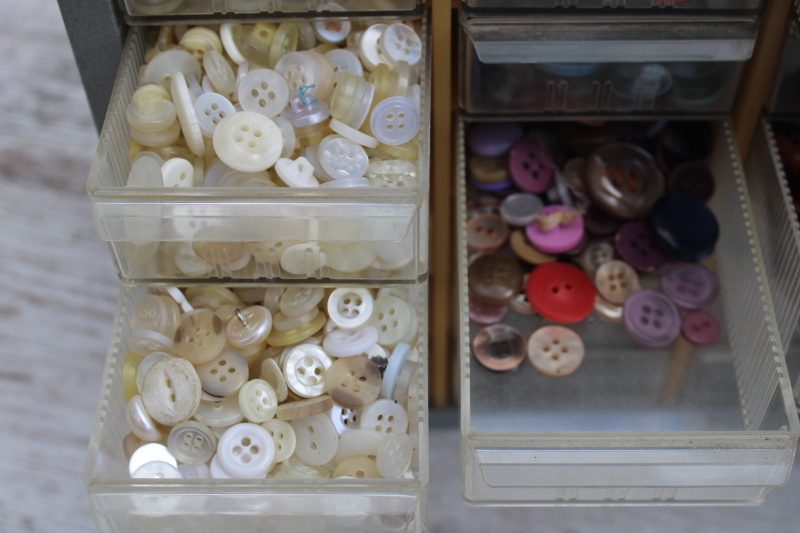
x=684, y=227
x=353, y=382
x=248, y=142
x=246, y=451
x=701, y=328
x=499, y=347
x=623, y=180
x=530, y=166
x=565, y=235
x=637, y=247
x=495, y=278
x=561, y=292
x=224, y=375
x=690, y=286
x=555, y=350
x=200, y=337
x=305, y=369
x=171, y=391
x=616, y=281
x=192, y=442
x=486, y=233
x=651, y=318
x=493, y=138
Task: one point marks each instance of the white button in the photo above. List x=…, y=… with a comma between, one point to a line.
x=282, y=322
x=139, y=421
x=303, y=115
x=392, y=319
x=398, y=254
x=304, y=370
x=145, y=173
x=555, y=350
x=353, y=134
x=188, y=120
x=163, y=67
x=130, y=444
x=311, y=153
x=350, y=308
x=220, y=413
x=151, y=113
x=317, y=439
x=157, y=470
x=368, y=47
x=283, y=436
x=171, y=391
x=216, y=471
x=190, y=472
x=344, y=61
x=248, y=141
x=263, y=91
x=334, y=31
x=178, y=172
x=298, y=173
x=258, y=401
x=300, y=70
x=210, y=109
x=346, y=343
x=346, y=183
x=205, y=83
x=345, y=419
x=386, y=417
x=350, y=256
x=351, y=100
x=307, y=40
x=229, y=34
x=357, y=467
x=297, y=301
x=294, y=468
x=157, y=139
x=192, y=442
x=303, y=259
x=188, y=262
x=246, y=451
x=151, y=312
x=357, y=442
x=259, y=325
x=148, y=453
x=407, y=375
x=145, y=342
x=284, y=42
x=396, y=364
x=289, y=138
x=394, y=455
x=401, y=42
x=224, y=375
x=145, y=365
x=342, y=158
x=219, y=72
x=395, y=120
x=272, y=298
x=271, y=373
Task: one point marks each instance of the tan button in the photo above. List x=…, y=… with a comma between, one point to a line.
x=616, y=281
x=607, y=310
x=555, y=350
x=499, y=347
x=495, y=278
x=486, y=233
x=211, y=297
x=595, y=255
x=353, y=382
x=359, y=467
x=526, y=252
x=489, y=169
x=200, y=337
x=304, y=408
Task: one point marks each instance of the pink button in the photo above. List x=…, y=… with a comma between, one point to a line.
x=559, y=239
x=530, y=166
x=700, y=328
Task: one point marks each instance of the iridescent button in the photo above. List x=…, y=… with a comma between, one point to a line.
x=499, y=347
x=488, y=169
x=530, y=166
x=486, y=233
x=565, y=236
x=555, y=351
x=560, y=292
x=694, y=179
x=700, y=328
x=595, y=255
x=493, y=138
x=650, y=318
x=637, y=247
x=521, y=209
x=623, y=180
x=495, y=278
x=684, y=227
x=526, y=252
x=690, y=286
x=485, y=314
x=598, y=222
x=616, y=281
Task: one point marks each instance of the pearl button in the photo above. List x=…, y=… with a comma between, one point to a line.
x=211, y=109
x=144, y=342
x=395, y=121
x=392, y=318
x=305, y=369
x=298, y=173
x=246, y=451
x=258, y=401
x=555, y=350
x=615, y=281
x=139, y=421
x=253, y=329
x=317, y=439
x=400, y=42
x=149, y=453
x=386, y=417
x=271, y=373
x=218, y=414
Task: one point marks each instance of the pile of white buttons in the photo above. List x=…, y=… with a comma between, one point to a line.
x=328, y=104
x=271, y=383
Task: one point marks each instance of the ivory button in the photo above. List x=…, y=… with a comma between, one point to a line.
x=219, y=413
x=258, y=401
x=350, y=308
x=305, y=368
x=254, y=329
x=317, y=439
x=271, y=373
x=171, y=391
x=386, y=417
x=139, y=421
x=392, y=319
x=246, y=451
x=224, y=375
x=200, y=337
x=353, y=382
x=394, y=455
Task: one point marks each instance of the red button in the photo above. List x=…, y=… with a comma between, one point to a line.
x=561, y=292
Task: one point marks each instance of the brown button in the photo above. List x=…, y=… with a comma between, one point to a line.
x=304, y=408
x=555, y=350
x=353, y=382
x=595, y=255
x=623, y=180
x=615, y=281
x=486, y=233
x=499, y=347
x=607, y=310
x=526, y=252
x=489, y=169
x=495, y=278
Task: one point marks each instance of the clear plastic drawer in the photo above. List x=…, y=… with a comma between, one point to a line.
x=637, y=425
x=120, y=503
x=660, y=7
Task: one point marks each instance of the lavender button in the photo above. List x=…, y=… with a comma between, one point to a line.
x=690, y=286
x=492, y=139
x=490, y=187
x=637, y=247
x=650, y=318
x=700, y=328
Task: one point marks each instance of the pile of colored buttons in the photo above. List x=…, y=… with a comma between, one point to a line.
x=565, y=220
x=285, y=383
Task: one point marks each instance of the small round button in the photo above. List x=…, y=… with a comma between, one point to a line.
x=694, y=179
x=385, y=416
x=350, y=308
x=684, y=227
x=493, y=138
x=637, y=247
x=219, y=72
x=342, y=158
x=223, y=375
x=499, y=347
x=258, y=401
x=246, y=451
x=171, y=391
x=484, y=313
x=561, y=292
x=651, y=318
x=282, y=434
x=400, y=42
x=555, y=350
x=526, y=252
x=305, y=369
x=559, y=229
x=249, y=326
x=353, y=382
x=392, y=318
x=495, y=278
x=486, y=233
x=248, y=142
x=700, y=328
x=616, y=281
x=595, y=255
x=530, y=166
x=200, y=337
x=192, y=442
x=690, y=286
x=395, y=121
x=211, y=109
x=317, y=439
x=521, y=209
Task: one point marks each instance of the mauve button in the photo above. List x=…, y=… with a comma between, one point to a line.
x=530, y=166
x=485, y=314
x=493, y=138
x=690, y=286
x=651, y=318
x=494, y=278
x=637, y=247
x=486, y=233
x=499, y=348
x=700, y=328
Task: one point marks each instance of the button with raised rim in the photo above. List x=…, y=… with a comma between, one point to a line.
x=211, y=109
x=246, y=451
x=304, y=370
x=395, y=121
x=561, y=292
x=342, y=158
x=186, y=116
x=192, y=442
x=616, y=281
x=258, y=401
x=526, y=252
x=499, y=348
x=297, y=173
x=171, y=391
x=530, y=166
x=293, y=336
x=394, y=455
x=350, y=342
x=224, y=375
x=317, y=439
x=701, y=328
x=263, y=91
x=254, y=329
x=386, y=417
x=344, y=61
x=555, y=350
x=200, y=337
x=144, y=342
x=368, y=47
x=637, y=247
x=218, y=414
x=690, y=286
x=281, y=322
x=399, y=42
x=282, y=434
x=651, y=318
x=357, y=467
x=353, y=382
x=495, y=278
x=248, y=142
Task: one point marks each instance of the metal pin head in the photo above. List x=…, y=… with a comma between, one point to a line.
x=240, y=316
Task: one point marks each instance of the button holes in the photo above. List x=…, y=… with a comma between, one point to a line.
x=401, y=126
x=657, y=323
x=546, y=348
x=262, y=103
x=613, y=287
x=384, y=328
x=238, y=449
x=214, y=107
x=271, y=95
x=208, y=112
x=318, y=371
x=401, y=115
x=301, y=371
x=264, y=85
x=255, y=450
x=388, y=429
x=298, y=68
x=303, y=79
x=645, y=320
x=254, y=93
x=246, y=458
x=294, y=84
x=311, y=381
x=196, y=449
x=280, y=436
x=187, y=437
x=313, y=445
x=172, y=398
x=568, y=287
x=215, y=120
x=311, y=429
x=245, y=127
x=695, y=329
x=390, y=116
x=645, y=253
x=356, y=388
x=185, y=445
x=392, y=311
x=380, y=417
x=252, y=144
x=390, y=127
x=238, y=137
x=359, y=474
x=380, y=316
x=554, y=290
x=223, y=379
x=213, y=371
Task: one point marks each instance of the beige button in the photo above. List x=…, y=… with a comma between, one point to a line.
x=353, y=382
x=392, y=318
x=305, y=368
x=271, y=373
x=258, y=401
x=607, y=310
x=555, y=350
x=200, y=337
x=595, y=255
x=151, y=312
x=251, y=326
x=211, y=297
x=296, y=335
x=526, y=252
x=359, y=467
x=304, y=408
x=171, y=391
x=616, y=281
x=223, y=375
x=283, y=436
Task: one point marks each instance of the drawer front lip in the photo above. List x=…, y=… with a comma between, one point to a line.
x=639, y=7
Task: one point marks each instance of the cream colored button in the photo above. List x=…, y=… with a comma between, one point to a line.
x=271, y=373
x=386, y=417
x=352, y=98
x=392, y=319
x=247, y=141
x=130, y=367
x=251, y=326
x=263, y=91
x=349, y=256
x=272, y=297
x=595, y=255
x=163, y=67
x=615, y=281
x=353, y=134
x=394, y=455
x=152, y=312
x=151, y=113
x=130, y=444
x=303, y=259
x=139, y=421
x=151, y=89
x=171, y=391
x=350, y=308
x=230, y=35
x=345, y=419
x=350, y=342
x=157, y=139
x=210, y=297
x=289, y=138
x=258, y=401
x=400, y=42
x=344, y=61
x=298, y=173
x=358, y=467
x=200, y=337
x=192, y=442
x=357, y=442
x=224, y=375
x=297, y=335
x=246, y=451
x=219, y=72
x=186, y=116
x=304, y=370
x=368, y=47
x=304, y=408
x=555, y=350
x=178, y=172
x=220, y=413
x=157, y=470
x=283, y=435
x=295, y=468
x=210, y=109
x=284, y=42
x=297, y=301
x=145, y=365
x=342, y=158
x=317, y=439
x=200, y=40
x=353, y=382
x=145, y=342
x=148, y=453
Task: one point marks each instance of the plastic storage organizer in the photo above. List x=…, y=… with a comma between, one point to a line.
x=621, y=430
x=660, y=6
x=143, y=226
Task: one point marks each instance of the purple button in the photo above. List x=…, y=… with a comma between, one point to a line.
x=690, y=286
x=650, y=318
x=700, y=328
x=486, y=314
x=493, y=138
x=637, y=247
x=530, y=166
x=490, y=187
x=559, y=239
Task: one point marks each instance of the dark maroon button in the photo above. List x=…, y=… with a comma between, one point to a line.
x=637, y=247
x=700, y=328
x=499, y=347
x=694, y=179
x=483, y=313
x=493, y=138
